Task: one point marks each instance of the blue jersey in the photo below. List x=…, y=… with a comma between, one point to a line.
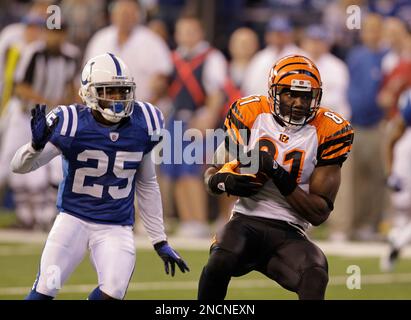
x=100, y=162
x=404, y=105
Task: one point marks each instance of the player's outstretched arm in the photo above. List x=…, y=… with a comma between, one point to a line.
x=151, y=213
x=149, y=200
x=26, y=159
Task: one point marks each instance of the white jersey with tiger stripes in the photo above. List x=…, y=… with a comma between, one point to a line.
x=298, y=150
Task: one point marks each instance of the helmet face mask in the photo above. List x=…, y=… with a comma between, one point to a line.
x=294, y=107
x=294, y=90
x=114, y=100
x=107, y=87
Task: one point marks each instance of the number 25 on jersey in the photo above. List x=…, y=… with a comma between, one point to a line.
x=96, y=190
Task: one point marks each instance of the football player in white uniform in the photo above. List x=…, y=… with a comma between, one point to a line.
x=106, y=148
x=299, y=148
x=398, y=169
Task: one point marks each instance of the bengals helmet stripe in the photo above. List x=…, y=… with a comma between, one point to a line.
x=294, y=63
x=291, y=73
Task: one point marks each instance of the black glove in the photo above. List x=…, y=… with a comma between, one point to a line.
x=270, y=167
x=235, y=184
x=170, y=258
x=40, y=131
x=264, y=160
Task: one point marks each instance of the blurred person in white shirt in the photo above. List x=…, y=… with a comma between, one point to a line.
x=196, y=91
x=146, y=54
x=243, y=45
x=279, y=40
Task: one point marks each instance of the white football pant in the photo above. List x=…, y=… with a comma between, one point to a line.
x=112, y=253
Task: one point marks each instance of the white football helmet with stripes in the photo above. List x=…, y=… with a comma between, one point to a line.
x=103, y=75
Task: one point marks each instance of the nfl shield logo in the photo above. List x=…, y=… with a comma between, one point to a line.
x=114, y=136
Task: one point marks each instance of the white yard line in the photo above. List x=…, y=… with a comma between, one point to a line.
x=348, y=249
x=235, y=284
x=19, y=250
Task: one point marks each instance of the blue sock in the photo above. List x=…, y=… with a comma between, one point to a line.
x=34, y=295
x=97, y=294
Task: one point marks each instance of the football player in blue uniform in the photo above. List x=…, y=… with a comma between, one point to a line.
x=106, y=147
x=398, y=168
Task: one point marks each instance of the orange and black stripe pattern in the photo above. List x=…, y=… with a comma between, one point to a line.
x=236, y=130
x=241, y=116
x=335, y=137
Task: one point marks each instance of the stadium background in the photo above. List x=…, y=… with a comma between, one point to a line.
x=346, y=247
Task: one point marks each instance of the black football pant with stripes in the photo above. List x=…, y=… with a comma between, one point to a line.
x=275, y=248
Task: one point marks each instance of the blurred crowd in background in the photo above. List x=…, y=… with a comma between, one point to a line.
x=229, y=47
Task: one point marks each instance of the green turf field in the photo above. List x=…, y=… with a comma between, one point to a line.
x=18, y=266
